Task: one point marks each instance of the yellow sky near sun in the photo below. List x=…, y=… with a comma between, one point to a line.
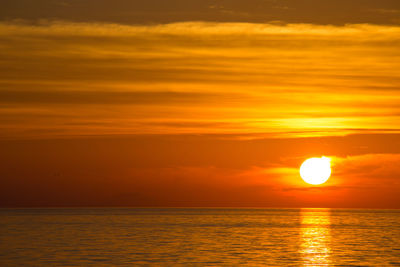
x=68, y=79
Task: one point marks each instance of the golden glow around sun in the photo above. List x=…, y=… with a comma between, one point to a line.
x=316, y=171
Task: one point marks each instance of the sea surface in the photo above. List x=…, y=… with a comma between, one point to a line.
x=199, y=237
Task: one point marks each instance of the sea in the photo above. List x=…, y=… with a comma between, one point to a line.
x=199, y=237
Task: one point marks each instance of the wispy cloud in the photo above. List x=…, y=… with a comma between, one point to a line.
x=347, y=172
x=289, y=79
x=369, y=168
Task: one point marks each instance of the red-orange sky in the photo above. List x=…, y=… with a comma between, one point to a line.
x=199, y=103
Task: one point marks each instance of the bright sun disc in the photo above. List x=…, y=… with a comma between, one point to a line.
x=316, y=171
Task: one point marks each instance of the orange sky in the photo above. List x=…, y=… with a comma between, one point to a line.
x=199, y=103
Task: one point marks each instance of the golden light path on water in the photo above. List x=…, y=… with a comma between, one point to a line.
x=315, y=237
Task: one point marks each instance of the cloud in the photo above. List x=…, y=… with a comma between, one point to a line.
x=386, y=11
x=197, y=170
x=106, y=97
x=368, y=180
x=253, y=11
x=190, y=29
x=370, y=167
x=356, y=171
x=258, y=78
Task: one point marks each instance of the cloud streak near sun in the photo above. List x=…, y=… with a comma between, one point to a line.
x=66, y=79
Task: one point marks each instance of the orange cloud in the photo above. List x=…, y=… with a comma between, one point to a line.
x=369, y=180
x=69, y=79
x=369, y=168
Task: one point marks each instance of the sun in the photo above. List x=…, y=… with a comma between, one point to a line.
x=316, y=171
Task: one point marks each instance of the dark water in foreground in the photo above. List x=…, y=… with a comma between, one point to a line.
x=212, y=237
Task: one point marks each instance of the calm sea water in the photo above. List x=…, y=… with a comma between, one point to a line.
x=211, y=237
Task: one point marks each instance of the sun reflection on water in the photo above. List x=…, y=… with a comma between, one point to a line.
x=315, y=237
